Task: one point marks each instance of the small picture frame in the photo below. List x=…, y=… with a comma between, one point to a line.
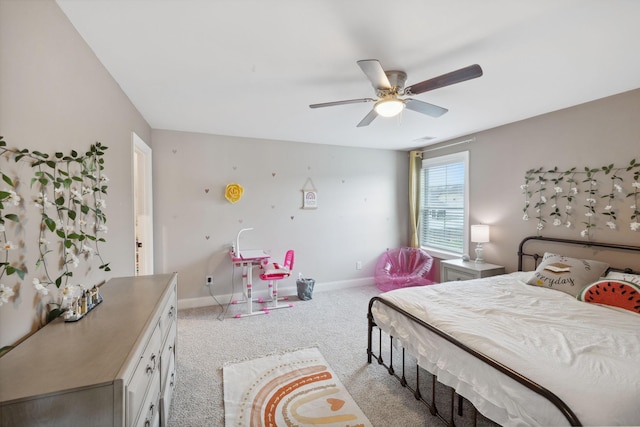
x=309, y=199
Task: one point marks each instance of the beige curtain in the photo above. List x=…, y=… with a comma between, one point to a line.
x=415, y=164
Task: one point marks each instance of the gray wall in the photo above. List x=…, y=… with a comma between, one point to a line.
x=362, y=209
x=593, y=134
x=56, y=96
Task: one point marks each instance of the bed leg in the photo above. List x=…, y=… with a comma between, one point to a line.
x=380, y=359
x=403, y=380
x=390, y=368
x=432, y=407
x=453, y=401
x=369, y=339
x=417, y=393
x=459, y=405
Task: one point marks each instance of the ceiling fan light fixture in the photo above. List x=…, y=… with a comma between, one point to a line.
x=389, y=107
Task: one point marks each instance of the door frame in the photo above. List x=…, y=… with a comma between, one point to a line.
x=142, y=205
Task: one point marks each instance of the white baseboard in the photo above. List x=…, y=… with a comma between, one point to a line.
x=284, y=290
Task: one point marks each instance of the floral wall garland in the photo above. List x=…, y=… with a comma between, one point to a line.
x=583, y=199
x=69, y=194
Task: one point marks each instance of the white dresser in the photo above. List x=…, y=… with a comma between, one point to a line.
x=114, y=367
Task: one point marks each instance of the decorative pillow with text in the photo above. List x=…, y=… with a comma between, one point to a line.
x=566, y=274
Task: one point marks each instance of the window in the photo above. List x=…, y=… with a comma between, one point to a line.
x=443, y=204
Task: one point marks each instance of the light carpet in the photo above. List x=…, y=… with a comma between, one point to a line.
x=292, y=388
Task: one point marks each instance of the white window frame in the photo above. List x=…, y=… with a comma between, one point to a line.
x=463, y=157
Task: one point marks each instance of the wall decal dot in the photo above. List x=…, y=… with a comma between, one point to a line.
x=206, y=190
x=273, y=174
x=291, y=217
x=273, y=206
x=174, y=151
x=240, y=221
x=235, y=167
x=207, y=237
x=343, y=181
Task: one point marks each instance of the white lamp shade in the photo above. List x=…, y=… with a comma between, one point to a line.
x=389, y=107
x=480, y=233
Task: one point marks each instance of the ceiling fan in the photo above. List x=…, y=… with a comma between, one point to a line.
x=389, y=86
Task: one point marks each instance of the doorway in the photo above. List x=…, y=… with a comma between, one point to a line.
x=143, y=206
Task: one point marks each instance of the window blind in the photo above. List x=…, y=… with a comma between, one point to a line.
x=443, y=204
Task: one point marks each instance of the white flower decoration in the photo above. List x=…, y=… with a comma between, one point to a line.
x=588, y=214
x=611, y=225
x=8, y=245
x=525, y=217
x=635, y=226
x=618, y=188
x=608, y=208
x=568, y=224
x=636, y=184
x=13, y=197
x=557, y=222
x=558, y=189
x=40, y=288
x=584, y=233
x=5, y=293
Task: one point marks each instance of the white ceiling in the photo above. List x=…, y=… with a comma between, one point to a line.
x=251, y=67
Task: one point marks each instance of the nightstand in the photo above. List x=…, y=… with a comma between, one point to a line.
x=457, y=269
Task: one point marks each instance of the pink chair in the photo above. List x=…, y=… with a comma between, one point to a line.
x=403, y=267
x=274, y=272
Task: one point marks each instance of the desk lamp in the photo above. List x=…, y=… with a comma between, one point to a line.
x=237, y=248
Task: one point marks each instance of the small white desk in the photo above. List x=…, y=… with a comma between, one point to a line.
x=247, y=262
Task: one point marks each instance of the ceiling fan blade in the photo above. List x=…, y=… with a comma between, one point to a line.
x=368, y=119
x=375, y=73
x=424, y=107
x=348, y=101
x=466, y=73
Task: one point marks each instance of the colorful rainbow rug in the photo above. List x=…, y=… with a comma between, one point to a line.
x=295, y=388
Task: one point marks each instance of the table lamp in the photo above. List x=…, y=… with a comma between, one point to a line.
x=479, y=235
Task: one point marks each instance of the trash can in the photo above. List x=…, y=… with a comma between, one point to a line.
x=305, y=287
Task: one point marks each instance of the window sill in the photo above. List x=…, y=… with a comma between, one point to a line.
x=439, y=253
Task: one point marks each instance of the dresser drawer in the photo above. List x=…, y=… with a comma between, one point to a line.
x=150, y=414
x=167, y=392
x=452, y=275
x=168, y=316
x=168, y=352
x=148, y=369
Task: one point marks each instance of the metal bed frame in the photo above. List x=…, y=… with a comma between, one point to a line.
x=431, y=401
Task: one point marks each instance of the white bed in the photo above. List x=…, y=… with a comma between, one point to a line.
x=588, y=355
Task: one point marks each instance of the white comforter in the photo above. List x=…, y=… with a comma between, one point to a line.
x=586, y=354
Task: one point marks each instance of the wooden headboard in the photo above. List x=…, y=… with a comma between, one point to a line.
x=558, y=243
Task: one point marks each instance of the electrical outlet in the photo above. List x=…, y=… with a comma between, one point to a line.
x=358, y=265
x=208, y=280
